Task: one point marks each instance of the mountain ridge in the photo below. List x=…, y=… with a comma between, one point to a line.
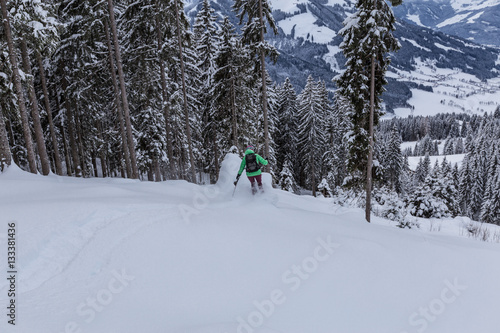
x=308, y=43
x=478, y=21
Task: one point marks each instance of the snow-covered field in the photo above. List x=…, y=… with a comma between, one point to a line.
x=413, y=160
x=453, y=91
x=114, y=255
x=303, y=25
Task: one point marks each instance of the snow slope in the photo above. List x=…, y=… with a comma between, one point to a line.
x=114, y=255
x=453, y=91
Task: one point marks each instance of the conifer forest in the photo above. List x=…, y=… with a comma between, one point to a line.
x=134, y=89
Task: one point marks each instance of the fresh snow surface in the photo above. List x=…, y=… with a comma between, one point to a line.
x=415, y=19
x=287, y=6
x=330, y=57
x=453, y=91
x=306, y=28
x=116, y=255
x=464, y=5
x=453, y=159
x=453, y=20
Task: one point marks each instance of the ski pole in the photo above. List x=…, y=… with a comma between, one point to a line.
x=235, y=183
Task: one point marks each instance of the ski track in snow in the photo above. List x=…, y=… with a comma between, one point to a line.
x=201, y=258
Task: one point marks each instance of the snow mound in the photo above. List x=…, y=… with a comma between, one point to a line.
x=228, y=171
x=227, y=175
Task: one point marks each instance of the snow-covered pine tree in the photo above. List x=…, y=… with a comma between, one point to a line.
x=490, y=205
x=179, y=80
x=436, y=197
x=286, y=180
x=187, y=72
x=465, y=179
x=449, y=148
x=393, y=161
x=367, y=40
x=18, y=87
x=257, y=13
x=459, y=146
x=272, y=118
x=426, y=146
x=324, y=188
x=423, y=169
x=286, y=138
x=206, y=43
x=496, y=113
x=234, y=107
x=123, y=90
x=139, y=23
x=338, y=125
x=5, y=155
x=311, y=132
x=119, y=157
x=477, y=186
x=36, y=29
x=327, y=112
x=151, y=141
x=406, y=178
x=45, y=52
x=7, y=107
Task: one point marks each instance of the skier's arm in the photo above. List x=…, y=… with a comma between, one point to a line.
x=242, y=166
x=261, y=160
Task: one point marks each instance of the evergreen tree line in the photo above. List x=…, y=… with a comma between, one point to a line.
x=129, y=88
x=436, y=127
x=443, y=189
x=439, y=190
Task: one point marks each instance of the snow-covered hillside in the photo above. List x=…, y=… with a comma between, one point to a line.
x=448, y=90
x=114, y=255
x=476, y=20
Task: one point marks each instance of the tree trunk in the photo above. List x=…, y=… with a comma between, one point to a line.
x=313, y=175
x=81, y=149
x=71, y=129
x=184, y=92
x=233, y=114
x=65, y=142
x=94, y=164
x=121, y=76
x=35, y=113
x=5, y=155
x=19, y=90
x=156, y=167
x=370, y=145
x=166, y=107
x=10, y=136
x=102, y=154
x=264, y=86
x=119, y=111
x=57, y=156
x=216, y=156
x=69, y=168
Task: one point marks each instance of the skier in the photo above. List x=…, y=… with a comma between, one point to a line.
x=251, y=161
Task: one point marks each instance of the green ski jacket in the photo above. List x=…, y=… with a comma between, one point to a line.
x=260, y=160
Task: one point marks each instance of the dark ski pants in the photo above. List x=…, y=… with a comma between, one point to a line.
x=257, y=179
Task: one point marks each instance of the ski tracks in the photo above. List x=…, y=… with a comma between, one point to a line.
x=74, y=240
